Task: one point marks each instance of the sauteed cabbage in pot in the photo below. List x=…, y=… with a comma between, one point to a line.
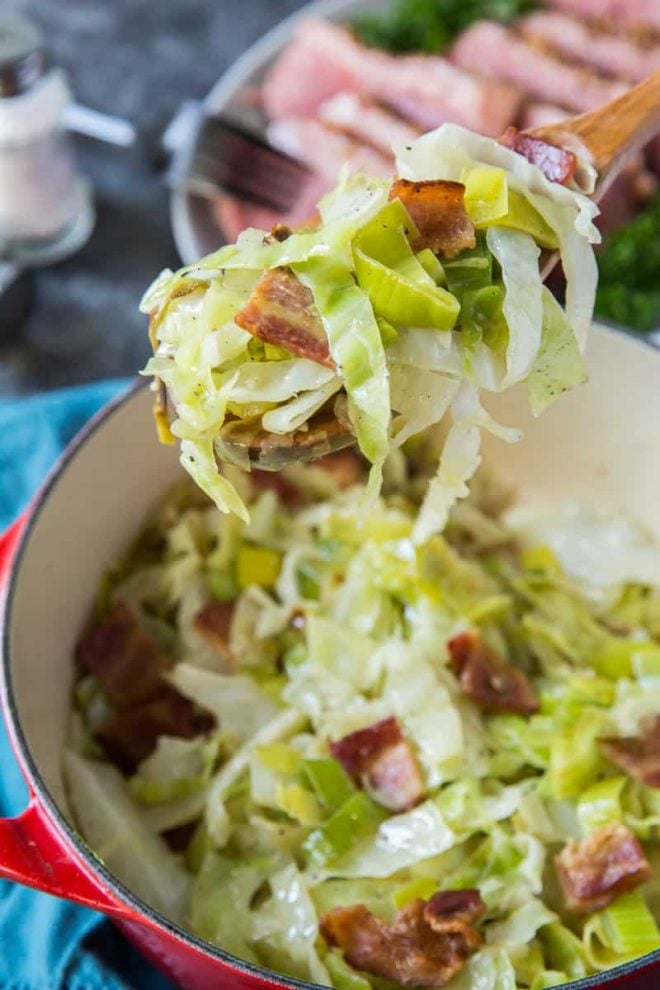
x=358, y=722
x=367, y=763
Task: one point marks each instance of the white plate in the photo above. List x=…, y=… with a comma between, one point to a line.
x=195, y=231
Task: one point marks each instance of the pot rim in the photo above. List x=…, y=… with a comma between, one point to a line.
x=74, y=842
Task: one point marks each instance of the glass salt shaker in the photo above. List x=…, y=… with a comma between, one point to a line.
x=46, y=209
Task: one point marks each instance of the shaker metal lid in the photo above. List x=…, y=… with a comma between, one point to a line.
x=21, y=55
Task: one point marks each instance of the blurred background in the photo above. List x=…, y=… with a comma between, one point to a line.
x=141, y=59
x=137, y=59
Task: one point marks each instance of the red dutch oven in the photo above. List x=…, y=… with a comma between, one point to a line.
x=602, y=439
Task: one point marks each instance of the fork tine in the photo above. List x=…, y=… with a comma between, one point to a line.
x=226, y=157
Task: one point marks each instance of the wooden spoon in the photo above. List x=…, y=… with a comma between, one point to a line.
x=605, y=138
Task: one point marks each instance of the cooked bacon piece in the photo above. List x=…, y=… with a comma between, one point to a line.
x=128, y=737
x=639, y=756
x=346, y=467
x=503, y=56
x=126, y=661
x=426, y=945
x=213, y=622
x=438, y=210
x=484, y=677
x=454, y=910
x=557, y=164
x=613, y=54
x=599, y=868
x=381, y=760
x=281, y=311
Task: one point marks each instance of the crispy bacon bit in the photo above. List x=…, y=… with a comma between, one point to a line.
x=214, y=624
x=557, y=164
x=438, y=210
x=486, y=679
x=380, y=759
x=346, y=467
x=281, y=311
x=125, y=660
x=639, y=756
x=605, y=864
x=128, y=737
x=427, y=944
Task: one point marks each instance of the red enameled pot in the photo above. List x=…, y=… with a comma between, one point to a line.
x=600, y=442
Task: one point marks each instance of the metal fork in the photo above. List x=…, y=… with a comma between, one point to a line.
x=224, y=156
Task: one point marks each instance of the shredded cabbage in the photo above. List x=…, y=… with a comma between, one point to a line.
x=352, y=632
x=405, y=328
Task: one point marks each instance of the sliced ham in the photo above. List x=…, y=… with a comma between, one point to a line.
x=367, y=121
x=503, y=56
x=128, y=737
x=557, y=164
x=381, y=760
x=213, y=623
x=613, y=54
x=127, y=663
x=438, y=209
x=639, y=755
x=326, y=150
x=425, y=89
x=427, y=943
x=304, y=75
x=493, y=684
x=281, y=311
x=634, y=12
x=594, y=871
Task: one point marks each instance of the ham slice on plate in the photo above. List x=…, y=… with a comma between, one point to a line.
x=645, y=12
x=425, y=89
x=367, y=121
x=610, y=53
x=503, y=56
x=304, y=75
x=325, y=150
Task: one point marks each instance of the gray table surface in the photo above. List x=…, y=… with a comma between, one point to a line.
x=138, y=59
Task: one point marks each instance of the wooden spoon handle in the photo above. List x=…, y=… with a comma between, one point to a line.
x=608, y=133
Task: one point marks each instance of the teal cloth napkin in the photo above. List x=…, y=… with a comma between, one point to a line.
x=46, y=943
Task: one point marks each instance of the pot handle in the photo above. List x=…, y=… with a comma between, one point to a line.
x=33, y=854
x=31, y=850
x=8, y=541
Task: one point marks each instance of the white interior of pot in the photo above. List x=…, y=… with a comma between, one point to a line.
x=598, y=444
